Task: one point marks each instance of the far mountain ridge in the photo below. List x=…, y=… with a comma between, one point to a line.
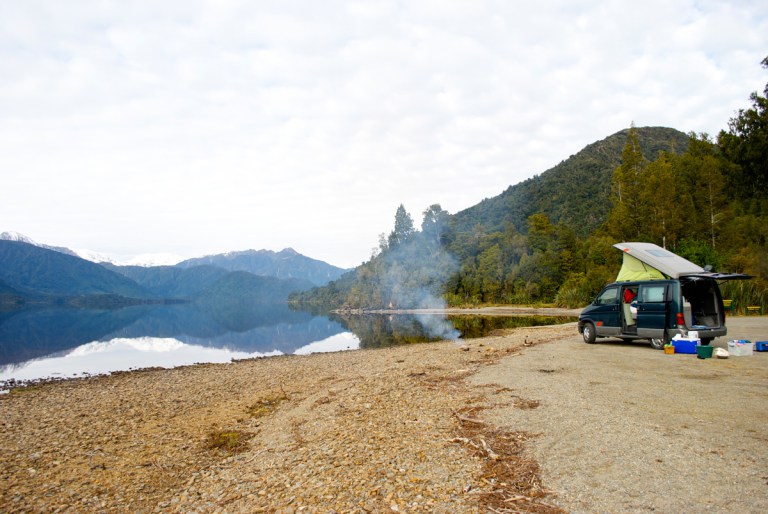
x=32, y=274
x=35, y=271
x=285, y=264
x=146, y=260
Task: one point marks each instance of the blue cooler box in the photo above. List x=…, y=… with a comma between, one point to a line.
x=685, y=345
x=761, y=346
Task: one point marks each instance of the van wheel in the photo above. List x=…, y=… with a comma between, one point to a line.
x=706, y=341
x=658, y=343
x=588, y=332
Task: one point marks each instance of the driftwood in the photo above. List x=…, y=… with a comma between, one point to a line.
x=482, y=446
x=464, y=419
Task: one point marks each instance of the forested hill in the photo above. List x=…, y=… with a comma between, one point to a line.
x=550, y=238
x=576, y=192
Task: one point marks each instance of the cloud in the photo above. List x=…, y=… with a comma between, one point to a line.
x=210, y=126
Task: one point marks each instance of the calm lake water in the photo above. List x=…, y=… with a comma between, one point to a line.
x=38, y=343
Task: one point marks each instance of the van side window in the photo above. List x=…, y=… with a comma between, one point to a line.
x=652, y=294
x=610, y=295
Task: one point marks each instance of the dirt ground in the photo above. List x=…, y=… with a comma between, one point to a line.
x=623, y=428
x=529, y=420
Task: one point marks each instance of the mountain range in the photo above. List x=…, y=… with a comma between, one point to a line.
x=147, y=260
x=576, y=192
x=285, y=264
x=32, y=273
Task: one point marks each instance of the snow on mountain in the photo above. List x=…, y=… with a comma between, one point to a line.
x=145, y=259
x=96, y=257
x=153, y=259
x=15, y=236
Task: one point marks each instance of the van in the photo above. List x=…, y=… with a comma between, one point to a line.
x=657, y=295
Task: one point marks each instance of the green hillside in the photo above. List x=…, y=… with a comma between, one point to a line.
x=576, y=191
x=35, y=271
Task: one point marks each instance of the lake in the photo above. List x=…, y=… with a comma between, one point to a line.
x=42, y=343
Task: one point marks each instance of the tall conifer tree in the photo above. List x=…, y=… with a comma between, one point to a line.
x=628, y=217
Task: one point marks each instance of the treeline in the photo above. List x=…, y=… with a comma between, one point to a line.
x=707, y=202
x=409, y=269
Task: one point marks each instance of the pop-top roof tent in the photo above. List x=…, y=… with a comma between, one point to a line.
x=647, y=261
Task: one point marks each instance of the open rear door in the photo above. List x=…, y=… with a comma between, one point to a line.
x=720, y=277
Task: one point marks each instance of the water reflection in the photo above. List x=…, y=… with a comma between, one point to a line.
x=480, y=326
x=381, y=330
x=67, y=342
x=120, y=354
x=27, y=334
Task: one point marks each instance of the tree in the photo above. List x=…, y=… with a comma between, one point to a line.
x=746, y=144
x=710, y=189
x=539, y=231
x=490, y=269
x=435, y=223
x=403, y=228
x=627, y=219
x=660, y=194
x=701, y=173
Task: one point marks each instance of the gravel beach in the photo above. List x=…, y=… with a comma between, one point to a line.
x=526, y=420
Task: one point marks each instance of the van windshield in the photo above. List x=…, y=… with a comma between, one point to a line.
x=610, y=295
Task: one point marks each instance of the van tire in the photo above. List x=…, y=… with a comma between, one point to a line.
x=588, y=332
x=706, y=341
x=659, y=342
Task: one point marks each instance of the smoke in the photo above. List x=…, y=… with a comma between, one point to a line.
x=415, y=278
x=438, y=326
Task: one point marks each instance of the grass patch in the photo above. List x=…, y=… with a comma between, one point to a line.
x=26, y=389
x=230, y=441
x=265, y=406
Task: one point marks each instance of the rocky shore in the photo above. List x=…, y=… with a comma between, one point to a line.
x=528, y=420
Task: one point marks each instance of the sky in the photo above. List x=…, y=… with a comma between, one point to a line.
x=200, y=127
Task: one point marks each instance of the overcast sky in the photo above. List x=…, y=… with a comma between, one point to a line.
x=198, y=127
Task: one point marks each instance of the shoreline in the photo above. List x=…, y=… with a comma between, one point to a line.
x=9, y=385
x=327, y=431
x=472, y=311
x=439, y=427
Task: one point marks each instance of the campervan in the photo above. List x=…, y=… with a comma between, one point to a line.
x=656, y=296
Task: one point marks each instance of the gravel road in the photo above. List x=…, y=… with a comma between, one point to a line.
x=624, y=428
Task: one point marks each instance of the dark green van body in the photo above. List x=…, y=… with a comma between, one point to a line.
x=661, y=310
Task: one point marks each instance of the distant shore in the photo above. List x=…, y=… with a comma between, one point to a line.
x=473, y=311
